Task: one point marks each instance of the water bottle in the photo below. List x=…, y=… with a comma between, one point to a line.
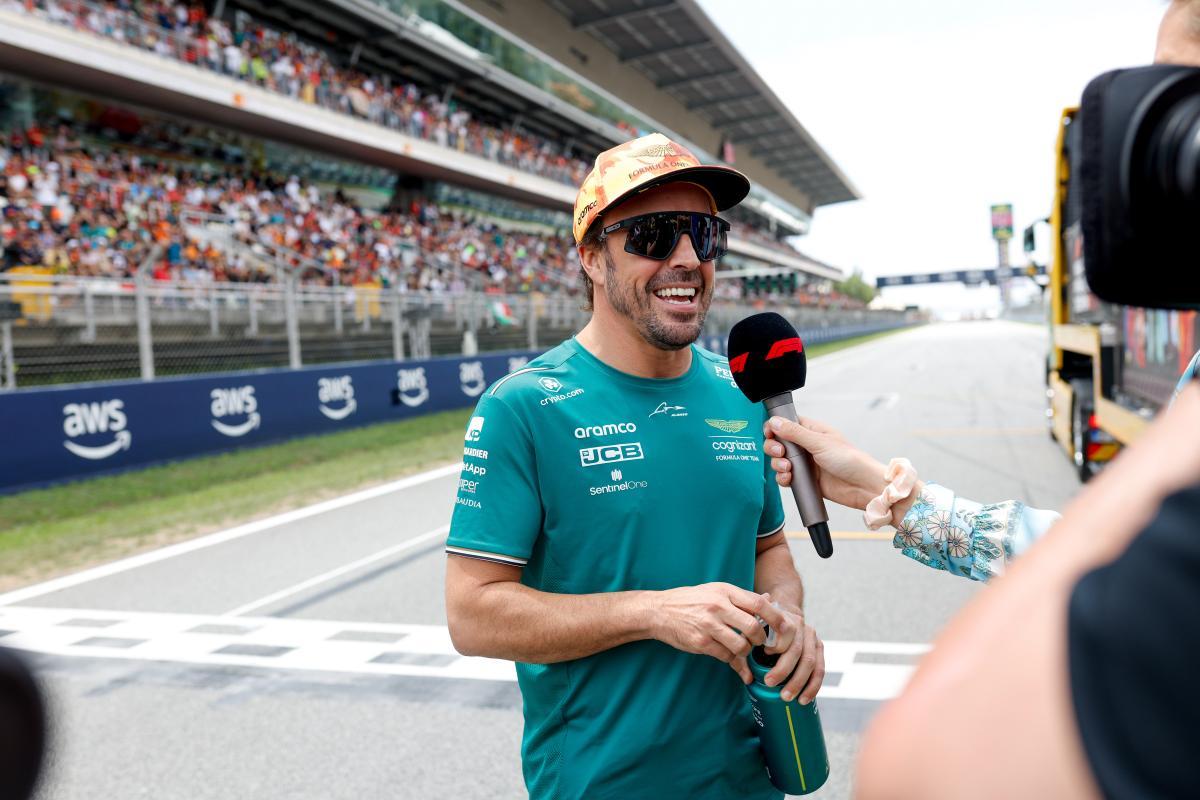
x=793, y=743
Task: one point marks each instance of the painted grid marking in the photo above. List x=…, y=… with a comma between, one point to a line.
x=865, y=670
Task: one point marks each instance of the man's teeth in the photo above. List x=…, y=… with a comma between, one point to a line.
x=686, y=294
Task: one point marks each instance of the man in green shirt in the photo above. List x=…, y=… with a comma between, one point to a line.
x=617, y=530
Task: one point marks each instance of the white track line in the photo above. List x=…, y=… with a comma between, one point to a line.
x=258, y=526
x=334, y=573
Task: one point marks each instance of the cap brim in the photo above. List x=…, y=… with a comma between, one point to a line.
x=727, y=186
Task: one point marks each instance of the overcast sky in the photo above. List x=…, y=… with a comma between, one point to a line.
x=935, y=109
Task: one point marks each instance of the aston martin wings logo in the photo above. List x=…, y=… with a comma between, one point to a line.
x=728, y=425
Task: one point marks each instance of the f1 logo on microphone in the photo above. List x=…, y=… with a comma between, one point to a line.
x=778, y=349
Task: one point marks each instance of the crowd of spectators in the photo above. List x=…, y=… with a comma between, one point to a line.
x=281, y=62
x=99, y=212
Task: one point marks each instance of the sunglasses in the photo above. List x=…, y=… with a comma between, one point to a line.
x=655, y=235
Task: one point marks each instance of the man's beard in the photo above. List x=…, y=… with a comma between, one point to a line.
x=639, y=308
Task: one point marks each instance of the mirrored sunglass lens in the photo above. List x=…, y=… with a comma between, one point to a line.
x=707, y=235
x=654, y=237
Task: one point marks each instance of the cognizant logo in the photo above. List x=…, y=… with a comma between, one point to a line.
x=734, y=446
x=609, y=429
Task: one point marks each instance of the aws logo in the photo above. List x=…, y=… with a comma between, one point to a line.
x=235, y=402
x=331, y=391
x=412, y=388
x=85, y=419
x=470, y=378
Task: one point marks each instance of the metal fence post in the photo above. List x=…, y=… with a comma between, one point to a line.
x=337, y=304
x=252, y=307
x=145, y=342
x=397, y=329
x=6, y=355
x=293, y=324
x=533, y=322
x=214, y=322
x=89, y=313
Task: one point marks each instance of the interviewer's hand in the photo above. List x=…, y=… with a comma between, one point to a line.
x=845, y=474
x=802, y=655
x=714, y=619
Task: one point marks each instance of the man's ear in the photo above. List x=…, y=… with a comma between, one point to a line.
x=592, y=259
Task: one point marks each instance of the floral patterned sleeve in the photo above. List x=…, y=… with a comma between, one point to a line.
x=960, y=536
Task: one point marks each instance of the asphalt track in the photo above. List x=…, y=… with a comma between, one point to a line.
x=306, y=656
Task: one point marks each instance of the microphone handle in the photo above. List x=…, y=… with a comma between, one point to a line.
x=804, y=483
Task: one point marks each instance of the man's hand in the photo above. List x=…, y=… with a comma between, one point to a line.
x=802, y=655
x=714, y=619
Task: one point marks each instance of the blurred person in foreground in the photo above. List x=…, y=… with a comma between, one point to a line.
x=613, y=534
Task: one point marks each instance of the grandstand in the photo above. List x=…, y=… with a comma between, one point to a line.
x=357, y=179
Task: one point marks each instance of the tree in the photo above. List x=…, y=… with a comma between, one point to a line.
x=856, y=287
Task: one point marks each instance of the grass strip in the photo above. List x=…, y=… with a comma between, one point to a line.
x=49, y=531
x=46, y=531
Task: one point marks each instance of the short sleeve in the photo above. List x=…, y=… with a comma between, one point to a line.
x=771, y=521
x=1133, y=635
x=498, y=510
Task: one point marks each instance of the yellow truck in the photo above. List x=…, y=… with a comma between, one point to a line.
x=1109, y=367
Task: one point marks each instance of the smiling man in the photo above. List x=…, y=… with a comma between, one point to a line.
x=616, y=530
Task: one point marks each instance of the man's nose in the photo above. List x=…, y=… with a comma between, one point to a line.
x=684, y=254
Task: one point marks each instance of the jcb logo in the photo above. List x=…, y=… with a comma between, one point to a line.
x=610, y=453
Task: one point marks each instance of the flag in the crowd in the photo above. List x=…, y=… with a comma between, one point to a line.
x=503, y=313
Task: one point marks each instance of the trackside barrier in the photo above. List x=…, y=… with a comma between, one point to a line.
x=63, y=433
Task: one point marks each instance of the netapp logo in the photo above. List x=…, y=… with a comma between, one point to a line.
x=470, y=378
x=336, y=390
x=411, y=386
x=735, y=445
x=475, y=469
x=610, y=429
x=610, y=454
x=234, y=402
x=107, y=416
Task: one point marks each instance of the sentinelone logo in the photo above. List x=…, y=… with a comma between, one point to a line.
x=234, y=402
x=336, y=390
x=106, y=416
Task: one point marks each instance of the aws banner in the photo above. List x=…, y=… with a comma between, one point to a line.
x=57, y=434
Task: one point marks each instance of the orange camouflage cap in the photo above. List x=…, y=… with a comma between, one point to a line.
x=646, y=162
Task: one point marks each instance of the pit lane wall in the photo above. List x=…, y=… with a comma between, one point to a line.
x=57, y=434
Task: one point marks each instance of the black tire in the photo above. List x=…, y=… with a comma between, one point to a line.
x=1081, y=411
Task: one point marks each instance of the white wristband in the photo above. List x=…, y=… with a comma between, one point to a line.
x=901, y=478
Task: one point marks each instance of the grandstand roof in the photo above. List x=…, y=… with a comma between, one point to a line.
x=675, y=45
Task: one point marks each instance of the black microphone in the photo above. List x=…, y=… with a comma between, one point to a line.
x=767, y=360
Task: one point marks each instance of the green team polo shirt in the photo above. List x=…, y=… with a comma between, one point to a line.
x=593, y=480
